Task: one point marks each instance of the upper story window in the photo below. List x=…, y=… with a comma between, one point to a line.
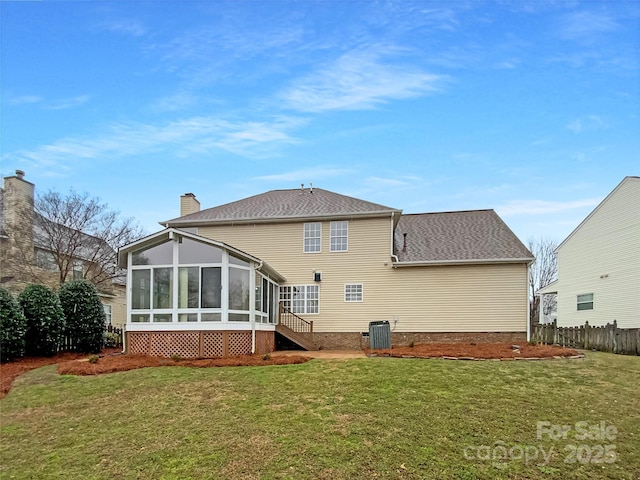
x=312, y=237
x=339, y=236
x=585, y=302
x=78, y=270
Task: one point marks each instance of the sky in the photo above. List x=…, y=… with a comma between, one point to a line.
x=531, y=108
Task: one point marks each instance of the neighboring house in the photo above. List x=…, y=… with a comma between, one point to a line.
x=338, y=262
x=26, y=258
x=599, y=264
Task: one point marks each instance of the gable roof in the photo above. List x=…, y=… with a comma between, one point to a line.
x=171, y=233
x=593, y=212
x=282, y=206
x=477, y=236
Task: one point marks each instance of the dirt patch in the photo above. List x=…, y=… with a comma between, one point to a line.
x=481, y=351
x=112, y=361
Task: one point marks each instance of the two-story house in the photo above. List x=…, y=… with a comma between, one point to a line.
x=311, y=256
x=26, y=255
x=599, y=264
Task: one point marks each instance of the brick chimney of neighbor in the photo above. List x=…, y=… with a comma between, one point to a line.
x=17, y=216
x=189, y=204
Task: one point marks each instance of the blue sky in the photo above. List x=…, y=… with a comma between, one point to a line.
x=531, y=108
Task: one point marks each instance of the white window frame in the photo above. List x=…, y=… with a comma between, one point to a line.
x=339, y=230
x=107, y=313
x=77, y=270
x=308, y=294
x=584, y=301
x=314, y=228
x=353, y=292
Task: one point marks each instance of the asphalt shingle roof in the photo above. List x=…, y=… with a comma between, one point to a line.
x=457, y=236
x=284, y=205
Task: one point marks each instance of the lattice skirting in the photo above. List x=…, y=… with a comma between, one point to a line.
x=198, y=344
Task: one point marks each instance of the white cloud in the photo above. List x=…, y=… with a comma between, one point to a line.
x=196, y=134
x=306, y=174
x=67, y=103
x=125, y=27
x=586, y=26
x=24, y=99
x=543, y=207
x=358, y=81
x=589, y=122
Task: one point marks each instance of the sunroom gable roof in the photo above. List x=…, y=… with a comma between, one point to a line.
x=170, y=233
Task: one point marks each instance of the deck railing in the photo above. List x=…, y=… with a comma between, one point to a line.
x=294, y=322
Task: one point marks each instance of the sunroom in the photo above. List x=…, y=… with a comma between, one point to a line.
x=194, y=297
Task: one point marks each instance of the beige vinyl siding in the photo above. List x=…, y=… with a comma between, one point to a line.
x=461, y=298
x=478, y=298
x=603, y=257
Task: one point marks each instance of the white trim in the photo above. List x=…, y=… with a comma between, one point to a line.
x=361, y=292
x=332, y=236
x=625, y=179
x=294, y=218
x=191, y=326
x=474, y=261
x=304, y=237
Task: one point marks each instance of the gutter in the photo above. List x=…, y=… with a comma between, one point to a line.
x=473, y=261
x=251, y=220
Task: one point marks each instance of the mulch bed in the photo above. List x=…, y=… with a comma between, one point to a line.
x=477, y=351
x=122, y=363
x=112, y=361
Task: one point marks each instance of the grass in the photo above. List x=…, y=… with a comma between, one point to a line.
x=365, y=418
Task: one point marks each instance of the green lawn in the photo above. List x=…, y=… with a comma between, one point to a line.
x=366, y=418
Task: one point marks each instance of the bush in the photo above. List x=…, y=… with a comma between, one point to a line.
x=45, y=320
x=112, y=340
x=13, y=327
x=84, y=314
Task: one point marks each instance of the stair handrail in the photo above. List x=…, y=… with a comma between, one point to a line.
x=294, y=322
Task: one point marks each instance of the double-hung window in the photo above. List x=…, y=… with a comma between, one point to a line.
x=585, y=301
x=312, y=237
x=339, y=236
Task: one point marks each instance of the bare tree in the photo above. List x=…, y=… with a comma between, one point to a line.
x=69, y=237
x=80, y=235
x=541, y=273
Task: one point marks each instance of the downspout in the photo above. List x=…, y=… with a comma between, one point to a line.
x=253, y=311
x=529, y=305
x=394, y=258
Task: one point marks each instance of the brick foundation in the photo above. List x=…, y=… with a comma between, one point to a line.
x=354, y=340
x=198, y=344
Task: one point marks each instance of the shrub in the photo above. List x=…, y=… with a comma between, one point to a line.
x=112, y=339
x=93, y=359
x=84, y=314
x=13, y=327
x=45, y=320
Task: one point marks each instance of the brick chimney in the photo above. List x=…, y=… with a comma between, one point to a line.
x=189, y=204
x=17, y=199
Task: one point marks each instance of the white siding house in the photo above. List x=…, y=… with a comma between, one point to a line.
x=599, y=264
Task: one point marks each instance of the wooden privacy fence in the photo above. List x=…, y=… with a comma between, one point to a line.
x=609, y=338
x=68, y=345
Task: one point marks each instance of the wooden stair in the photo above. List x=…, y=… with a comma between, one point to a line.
x=301, y=339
